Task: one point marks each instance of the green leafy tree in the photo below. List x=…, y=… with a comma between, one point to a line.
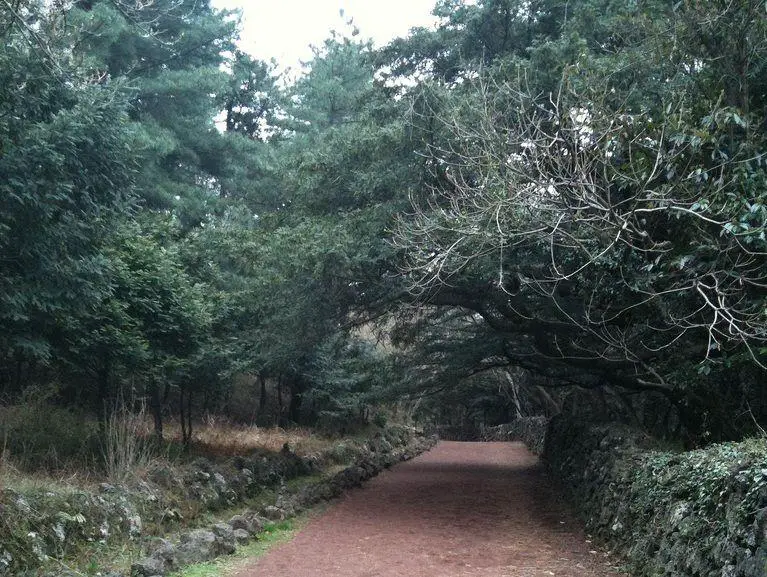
x=66, y=177
x=253, y=100
x=348, y=375
x=170, y=54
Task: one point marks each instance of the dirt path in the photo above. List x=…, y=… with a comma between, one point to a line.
x=463, y=509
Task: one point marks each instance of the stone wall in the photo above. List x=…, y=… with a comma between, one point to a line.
x=671, y=513
x=203, y=544
x=40, y=524
x=529, y=430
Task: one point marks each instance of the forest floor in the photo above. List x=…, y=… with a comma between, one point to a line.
x=462, y=509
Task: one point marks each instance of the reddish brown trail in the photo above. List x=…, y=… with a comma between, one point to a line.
x=463, y=509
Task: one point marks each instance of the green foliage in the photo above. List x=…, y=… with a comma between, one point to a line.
x=252, y=100
x=169, y=54
x=346, y=376
x=330, y=93
x=576, y=191
x=166, y=255
x=107, y=105
x=283, y=288
x=67, y=176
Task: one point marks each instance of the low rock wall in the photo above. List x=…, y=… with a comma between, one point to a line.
x=198, y=545
x=41, y=524
x=699, y=513
x=529, y=430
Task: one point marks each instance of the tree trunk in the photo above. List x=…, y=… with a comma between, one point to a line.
x=262, y=396
x=182, y=414
x=296, y=400
x=188, y=417
x=155, y=404
x=19, y=374
x=514, y=395
x=205, y=402
x=185, y=413
x=102, y=394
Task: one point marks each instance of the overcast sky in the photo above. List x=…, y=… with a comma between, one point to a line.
x=284, y=29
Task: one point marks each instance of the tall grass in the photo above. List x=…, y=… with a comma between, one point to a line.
x=126, y=445
x=40, y=439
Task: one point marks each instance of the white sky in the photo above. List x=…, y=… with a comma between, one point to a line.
x=284, y=29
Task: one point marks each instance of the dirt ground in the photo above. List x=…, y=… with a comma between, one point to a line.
x=463, y=509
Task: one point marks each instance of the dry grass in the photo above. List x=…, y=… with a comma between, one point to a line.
x=5, y=456
x=126, y=446
x=219, y=437
x=7, y=470
x=11, y=477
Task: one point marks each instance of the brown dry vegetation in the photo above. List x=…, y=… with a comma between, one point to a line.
x=220, y=437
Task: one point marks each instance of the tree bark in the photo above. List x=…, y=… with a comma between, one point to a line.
x=262, y=396
x=296, y=400
x=188, y=417
x=155, y=404
x=182, y=415
x=103, y=409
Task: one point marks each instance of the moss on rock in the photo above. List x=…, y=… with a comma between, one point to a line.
x=697, y=513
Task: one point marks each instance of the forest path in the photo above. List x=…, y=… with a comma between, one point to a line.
x=462, y=509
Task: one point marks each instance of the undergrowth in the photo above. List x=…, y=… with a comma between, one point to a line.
x=220, y=437
x=126, y=445
x=39, y=436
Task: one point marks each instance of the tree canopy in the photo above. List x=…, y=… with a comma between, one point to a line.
x=527, y=199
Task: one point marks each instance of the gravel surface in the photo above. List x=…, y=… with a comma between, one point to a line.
x=462, y=509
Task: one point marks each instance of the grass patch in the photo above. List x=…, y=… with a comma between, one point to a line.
x=273, y=534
